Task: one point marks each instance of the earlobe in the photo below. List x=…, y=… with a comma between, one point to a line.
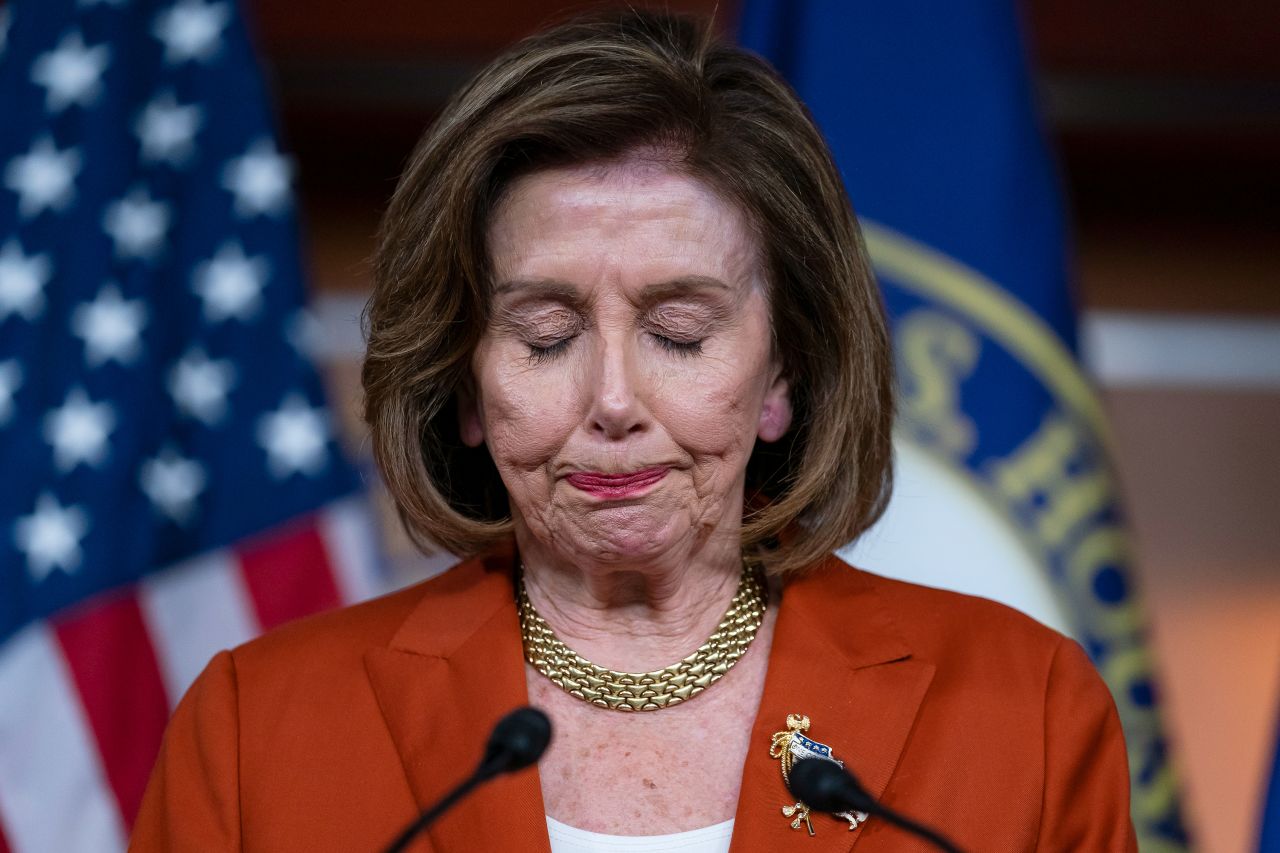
x=775, y=412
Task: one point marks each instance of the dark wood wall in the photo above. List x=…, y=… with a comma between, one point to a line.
x=1165, y=113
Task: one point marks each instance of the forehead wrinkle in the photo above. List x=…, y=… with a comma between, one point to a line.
x=579, y=190
x=703, y=219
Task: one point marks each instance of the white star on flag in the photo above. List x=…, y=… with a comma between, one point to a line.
x=10, y=382
x=199, y=386
x=166, y=130
x=172, y=483
x=110, y=327
x=230, y=283
x=136, y=224
x=71, y=73
x=22, y=281
x=78, y=431
x=295, y=437
x=305, y=333
x=50, y=536
x=43, y=178
x=150, y=445
x=191, y=29
x=259, y=179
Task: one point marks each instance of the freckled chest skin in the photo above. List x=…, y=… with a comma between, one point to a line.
x=630, y=332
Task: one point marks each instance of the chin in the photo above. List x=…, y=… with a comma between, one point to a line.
x=631, y=539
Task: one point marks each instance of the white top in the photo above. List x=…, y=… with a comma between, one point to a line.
x=570, y=839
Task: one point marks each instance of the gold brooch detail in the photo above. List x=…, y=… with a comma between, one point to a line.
x=791, y=746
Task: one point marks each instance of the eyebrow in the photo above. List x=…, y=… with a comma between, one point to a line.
x=537, y=287
x=562, y=291
x=681, y=286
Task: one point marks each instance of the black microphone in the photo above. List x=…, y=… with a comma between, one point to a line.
x=518, y=740
x=825, y=786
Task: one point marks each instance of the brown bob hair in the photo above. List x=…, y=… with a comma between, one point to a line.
x=594, y=90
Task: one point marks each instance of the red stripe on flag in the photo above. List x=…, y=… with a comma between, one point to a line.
x=109, y=652
x=288, y=575
x=4, y=845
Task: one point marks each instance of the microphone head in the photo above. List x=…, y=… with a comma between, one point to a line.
x=518, y=740
x=825, y=786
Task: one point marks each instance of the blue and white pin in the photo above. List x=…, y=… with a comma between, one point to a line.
x=792, y=746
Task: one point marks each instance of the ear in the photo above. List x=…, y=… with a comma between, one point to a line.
x=775, y=410
x=470, y=418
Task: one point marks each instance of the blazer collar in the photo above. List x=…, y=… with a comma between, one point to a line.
x=839, y=659
x=455, y=667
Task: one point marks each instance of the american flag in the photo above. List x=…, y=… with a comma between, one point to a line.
x=171, y=482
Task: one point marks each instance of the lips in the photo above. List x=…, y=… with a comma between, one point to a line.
x=616, y=485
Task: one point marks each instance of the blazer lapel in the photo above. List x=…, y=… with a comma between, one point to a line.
x=451, y=672
x=455, y=667
x=838, y=659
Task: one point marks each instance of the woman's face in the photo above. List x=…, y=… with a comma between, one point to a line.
x=627, y=369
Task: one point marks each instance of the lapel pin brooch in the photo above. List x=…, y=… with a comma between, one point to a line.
x=791, y=746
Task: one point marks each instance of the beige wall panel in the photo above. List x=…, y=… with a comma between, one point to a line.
x=1202, y=478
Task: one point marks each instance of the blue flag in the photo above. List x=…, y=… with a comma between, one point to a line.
x=159, y=416
x=1004, y=485
x=1270, y=842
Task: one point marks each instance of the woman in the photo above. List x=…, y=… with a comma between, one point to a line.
x=626, y=354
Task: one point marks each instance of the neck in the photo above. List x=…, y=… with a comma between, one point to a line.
x=633, y=617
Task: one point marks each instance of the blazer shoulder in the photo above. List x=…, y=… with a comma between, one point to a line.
x=930, y=616
x=975, y=642
x=364, y=623
x=346, y=632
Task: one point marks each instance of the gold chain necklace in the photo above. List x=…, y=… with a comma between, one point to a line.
x=645, y=691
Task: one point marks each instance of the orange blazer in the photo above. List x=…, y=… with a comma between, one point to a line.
x=333, y=732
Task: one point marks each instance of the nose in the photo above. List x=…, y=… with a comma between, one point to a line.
x=617, y=409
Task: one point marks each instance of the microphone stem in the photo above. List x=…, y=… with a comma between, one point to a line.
x=435, y=811
x=906, y=823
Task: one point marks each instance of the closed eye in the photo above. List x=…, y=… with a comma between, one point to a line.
x=539, y=353
x=684, y=348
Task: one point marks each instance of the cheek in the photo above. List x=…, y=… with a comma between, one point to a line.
x=528, y=415
x=713, y=414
